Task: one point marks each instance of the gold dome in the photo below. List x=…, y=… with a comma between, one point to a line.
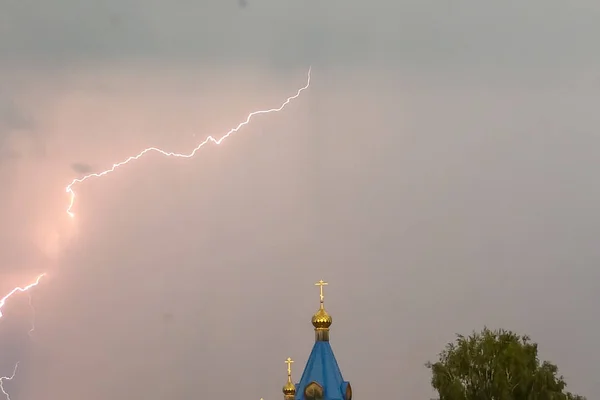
x=321, y=319
x=289, y=389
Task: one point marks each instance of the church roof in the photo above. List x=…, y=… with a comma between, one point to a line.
x=323, y=369
x=322, y=378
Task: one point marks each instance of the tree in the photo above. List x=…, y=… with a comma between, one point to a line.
x=496, y=365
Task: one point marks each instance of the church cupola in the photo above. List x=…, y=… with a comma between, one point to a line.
x=322, y=378
x=321, y=320
x=289, y=389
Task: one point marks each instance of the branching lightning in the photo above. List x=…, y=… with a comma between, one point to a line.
x=71, y=192
x=8, y=378
x=19, y=290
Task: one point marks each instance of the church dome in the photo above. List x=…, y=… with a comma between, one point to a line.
x=321, y=319
x=289, y=389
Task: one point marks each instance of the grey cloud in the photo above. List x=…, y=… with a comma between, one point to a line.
x=542, y=34
x=440, y=173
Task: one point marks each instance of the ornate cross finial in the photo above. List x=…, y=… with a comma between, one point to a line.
x=289, y=362
x=321, y=284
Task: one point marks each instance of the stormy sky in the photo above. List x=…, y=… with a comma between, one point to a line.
x=439, y=173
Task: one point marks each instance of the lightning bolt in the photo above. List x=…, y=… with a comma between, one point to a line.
x=2, y=304
x=19, y=290
x=71, y=192
x=8, y=378
x=69, y=188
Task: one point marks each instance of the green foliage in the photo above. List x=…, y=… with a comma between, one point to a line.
x=496, y=365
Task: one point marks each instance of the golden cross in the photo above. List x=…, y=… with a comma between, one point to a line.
x=321, y=284
x=289, y=362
